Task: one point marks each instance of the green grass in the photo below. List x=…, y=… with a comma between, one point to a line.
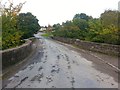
x=47, y=35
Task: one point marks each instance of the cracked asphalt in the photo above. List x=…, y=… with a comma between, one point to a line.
x=56, y=65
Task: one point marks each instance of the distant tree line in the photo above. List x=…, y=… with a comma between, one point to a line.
x=17, y=26
x=84, y=27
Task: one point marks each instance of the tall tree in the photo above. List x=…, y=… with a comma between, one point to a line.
x=11, y=36
x=81, y=23
x=109, y=17
x=82, y=16
x=28, y=24
x=57, y=26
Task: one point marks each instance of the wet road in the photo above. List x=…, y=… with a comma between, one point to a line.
x=58, y=66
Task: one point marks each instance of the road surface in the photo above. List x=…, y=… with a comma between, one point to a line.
x=57, y=65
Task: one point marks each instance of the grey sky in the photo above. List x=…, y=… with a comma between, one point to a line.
x=58, y=11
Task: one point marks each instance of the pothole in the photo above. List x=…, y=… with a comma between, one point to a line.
x=40, y=68
x=49, y=79
x=37, y=77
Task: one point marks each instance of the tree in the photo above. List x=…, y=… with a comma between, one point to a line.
x=95, y=27
x=103, y=30
x=57, y=26
x=81, y=23
x=109, y=20
x=28, y=24
x=82, y=16
x=109, y=17
x=11, y=36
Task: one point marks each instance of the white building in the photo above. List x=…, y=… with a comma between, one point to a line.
x=43, y=29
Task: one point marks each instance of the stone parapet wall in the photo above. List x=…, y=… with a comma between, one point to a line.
x=17, y=54
x=93, y=46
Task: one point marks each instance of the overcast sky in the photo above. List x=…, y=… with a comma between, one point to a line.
x=58, y=11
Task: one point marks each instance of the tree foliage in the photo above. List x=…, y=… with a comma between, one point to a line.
x=84, y=27
x=109, y=17
x=11, y=36
x=27, y=24
x=82, y=16
x=16, y=26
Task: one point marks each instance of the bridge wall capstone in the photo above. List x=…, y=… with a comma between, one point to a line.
x=93, y=46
